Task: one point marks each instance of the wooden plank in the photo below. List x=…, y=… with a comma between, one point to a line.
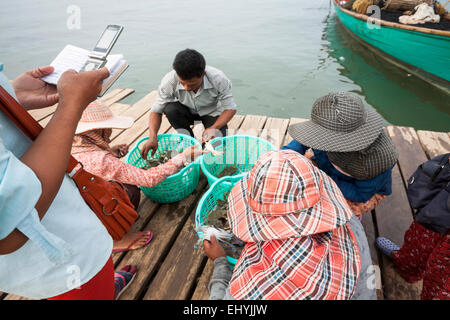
x=137, y=111
x=119, y=108
x=275, y=131
x=369, y=227
x=234, y=124
x=434, y=143
x=252, y=125
x=410, y=152
x=201, y=290
x=45, y=121
x=146, y=210
x=178, y=272
x=394, y=214
x=118, y=95
x=16, y=297
x=165, y=127
x=39, y=114
x=370, y=230
x=110, y=99
x=393, y=217
x=130, y=135
x=111, y=94
x=165, y=224
x=184, y=252
x=43, y=116
x=292, y=121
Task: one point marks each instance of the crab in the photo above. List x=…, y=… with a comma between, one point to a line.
x=163, y=158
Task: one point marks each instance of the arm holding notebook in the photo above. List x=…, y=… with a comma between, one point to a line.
x=32, y=92
x=48, y=155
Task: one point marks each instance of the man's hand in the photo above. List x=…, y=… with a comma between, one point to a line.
x=213, y=249
x=214, y=130
x=150, y=144
x=209, y=134
x=32, y=92
x=80, y=89
x=120, y=150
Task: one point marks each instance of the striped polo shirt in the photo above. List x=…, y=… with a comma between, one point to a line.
x=213, y=97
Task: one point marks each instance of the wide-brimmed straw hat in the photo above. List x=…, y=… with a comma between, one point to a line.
x=97, y=115
x=368, y=163
x=294, y=220
x=339, y=123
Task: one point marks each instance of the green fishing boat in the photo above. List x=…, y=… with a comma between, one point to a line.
x=420, y=51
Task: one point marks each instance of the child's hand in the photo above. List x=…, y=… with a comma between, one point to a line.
x=213, y=249
x=120, y=150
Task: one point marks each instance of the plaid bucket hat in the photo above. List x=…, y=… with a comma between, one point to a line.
x=294, y=220
x=339, y=123
x=367, y=163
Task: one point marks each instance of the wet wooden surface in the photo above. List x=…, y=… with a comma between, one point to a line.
x=170, y=268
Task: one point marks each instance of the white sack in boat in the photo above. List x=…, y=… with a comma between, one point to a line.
x=424, y=13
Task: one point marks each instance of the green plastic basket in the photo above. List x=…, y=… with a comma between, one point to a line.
x=209, y=201
x=177, y=186
x=240, y=151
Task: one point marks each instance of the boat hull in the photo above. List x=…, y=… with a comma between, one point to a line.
x=424, y=54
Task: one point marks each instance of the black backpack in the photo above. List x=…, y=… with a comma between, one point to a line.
x=429, y=193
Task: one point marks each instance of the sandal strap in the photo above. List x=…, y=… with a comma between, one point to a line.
x=138, y=239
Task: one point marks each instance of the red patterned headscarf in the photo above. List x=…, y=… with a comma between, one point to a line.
x=294, y=220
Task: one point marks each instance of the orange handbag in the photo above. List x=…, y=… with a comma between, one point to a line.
x=107, y=199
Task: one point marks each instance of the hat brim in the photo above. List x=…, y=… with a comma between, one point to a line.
x=329, y=213
x=116, y=122
x=315, y=136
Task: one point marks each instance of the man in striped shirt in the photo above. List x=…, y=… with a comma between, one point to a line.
x=192, y=92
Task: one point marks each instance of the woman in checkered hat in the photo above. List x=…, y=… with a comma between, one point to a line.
x=349, y=144
x=302, y=239
x=91, y=148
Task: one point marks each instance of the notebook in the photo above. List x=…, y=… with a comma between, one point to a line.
x=72, y=57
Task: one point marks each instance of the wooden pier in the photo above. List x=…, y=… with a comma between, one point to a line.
x=170, y=268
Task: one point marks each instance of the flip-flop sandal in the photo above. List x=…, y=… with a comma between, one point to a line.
x=386, y=246
x=150, y=236
x=124, y=277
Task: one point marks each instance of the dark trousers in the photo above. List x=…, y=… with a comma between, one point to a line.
x=134, y=193
x=181, y=119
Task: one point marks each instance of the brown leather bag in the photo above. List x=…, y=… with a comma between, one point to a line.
x=107, y=199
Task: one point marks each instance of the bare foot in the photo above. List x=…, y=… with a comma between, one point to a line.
x=132, y=241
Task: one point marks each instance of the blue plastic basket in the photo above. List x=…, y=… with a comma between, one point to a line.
x=177, y=186
x=241, y=151
x=209, y=201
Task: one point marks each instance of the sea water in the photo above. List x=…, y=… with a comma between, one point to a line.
x=280, y=55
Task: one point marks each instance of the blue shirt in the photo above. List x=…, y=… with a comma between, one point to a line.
x=66, y=249
x=351, y=188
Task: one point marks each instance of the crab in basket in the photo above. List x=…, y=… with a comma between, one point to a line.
x=217, y=224
x=163, y=158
